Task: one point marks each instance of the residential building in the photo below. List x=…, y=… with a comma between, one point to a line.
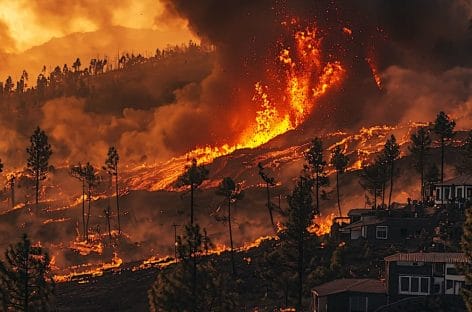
x=456, y=190
x=423, y=274
x=349, y=295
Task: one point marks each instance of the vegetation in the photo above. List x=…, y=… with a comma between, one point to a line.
x=390, y=153
x=39, y=153
x=174, y=289
x=91, y=180
x=269, y=182
x=231, y=192
x=443, y=127
x=78, y=172
x=317, y=168
x=193, y=177
x=339, y=161
x=111, y=167
x=26, y=284
x=419, y=149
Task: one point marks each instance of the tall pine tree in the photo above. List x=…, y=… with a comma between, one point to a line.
x=39, y=153
x=419, y=149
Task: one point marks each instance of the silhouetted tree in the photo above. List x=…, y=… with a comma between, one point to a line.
x=111, y=166
x=339, y=161
x=91, y=180
x=269, y=182
x=76, y=65
x=373, y=179
x=193, y=177
x=8, y=87
x=231, y=192
x=391, y=152
x=419, y=148
x=39, y=153
x=300, y=216
x=317, y=167
x=26, y=284
x=78, y=172
x=174, y=289
x=444, y=128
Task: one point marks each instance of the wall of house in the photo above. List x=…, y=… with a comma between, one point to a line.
x=340, y=301
x=399, y=229
x=395, y=271
x=449, y=192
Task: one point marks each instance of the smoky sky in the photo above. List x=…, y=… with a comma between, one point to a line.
x=426, y=37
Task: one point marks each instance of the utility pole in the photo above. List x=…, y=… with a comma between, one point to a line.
x=175, y=239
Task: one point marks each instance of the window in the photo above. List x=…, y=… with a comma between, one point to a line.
x=469, y=192
x=358, y=304
x=381, y=232
x=446, y=193
x=438, y=194
x=459, y=193
x=449, y=284
x=438, y=268
x=451, y=271
x=414, y=285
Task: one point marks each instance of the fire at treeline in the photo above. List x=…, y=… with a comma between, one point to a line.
x=288, y=269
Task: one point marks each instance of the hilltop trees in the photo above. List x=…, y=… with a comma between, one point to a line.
x=111, y=167
x=193, y=177
x=317, y=167
x=339, y=161
x=444, y=128
x=231, y=192
x=25, y=282
x=269, y=182
x=39, y=153
x=373, y=179
x=419, y=148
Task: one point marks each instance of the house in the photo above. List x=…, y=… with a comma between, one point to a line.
x=423, y=274
x=457, y=190
x=386, y=229
x=350, y=295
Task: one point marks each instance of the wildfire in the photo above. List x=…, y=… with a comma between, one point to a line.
x=375, y=71
x=321, y=226
x=83, y=272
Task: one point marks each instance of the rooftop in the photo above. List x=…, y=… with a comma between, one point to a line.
x=363, y=285
x=460, y=180
x=439, y=257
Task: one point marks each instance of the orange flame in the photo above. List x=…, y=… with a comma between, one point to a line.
x=321, y=226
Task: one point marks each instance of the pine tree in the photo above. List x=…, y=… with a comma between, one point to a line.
x=193, y=177
x=39, y=153
x=373, y=179
x=391, y=152
x=317, y=167
x=269, y=182
x=78, y=172
x=444, y=128
x=111, y=166
x=92, y=179
x=419, y=149
x=300, y=216
x=174, y=289
x=25, y=278
x=339, y=161
x=231, y=192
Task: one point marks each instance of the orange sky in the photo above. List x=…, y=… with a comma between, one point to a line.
x=27, y=23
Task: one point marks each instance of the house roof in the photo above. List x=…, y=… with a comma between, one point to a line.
x=365, y=221
x=460, y=180
x=363, y=285
x=358, y=211
x=440, y=257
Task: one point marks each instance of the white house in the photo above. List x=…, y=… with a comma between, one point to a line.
x=458, y=189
